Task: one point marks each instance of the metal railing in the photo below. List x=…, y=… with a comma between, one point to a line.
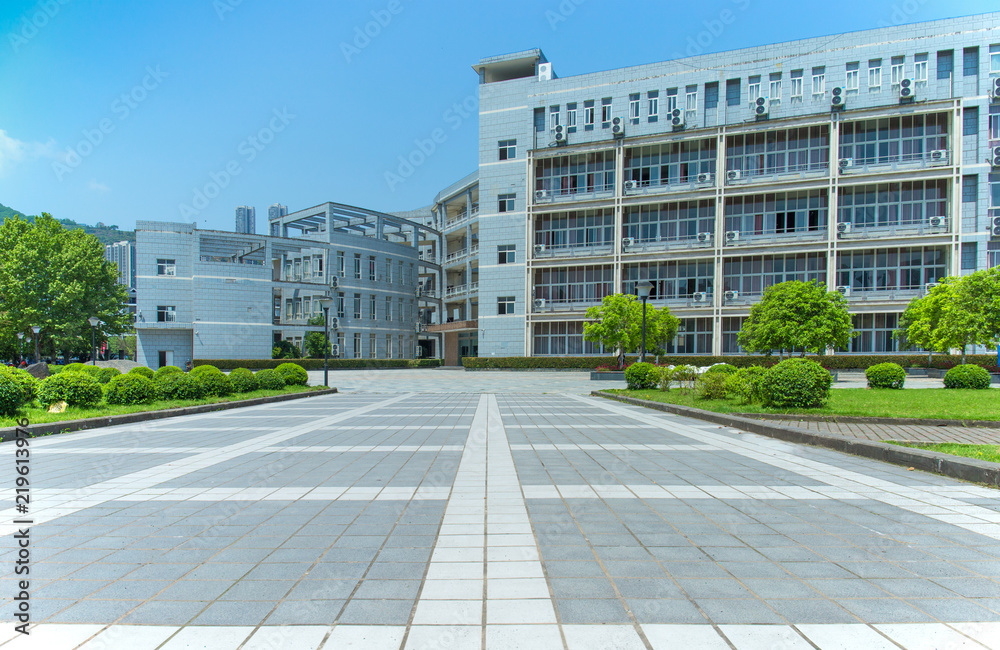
x=458, y=255
x=460, y=289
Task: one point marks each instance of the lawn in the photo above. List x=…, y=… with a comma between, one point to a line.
x=981, y=452
x=930, y=403
x=39, y=415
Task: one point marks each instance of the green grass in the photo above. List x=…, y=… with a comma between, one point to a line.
x=929, y=403
x=38, y=415
x=981, y=452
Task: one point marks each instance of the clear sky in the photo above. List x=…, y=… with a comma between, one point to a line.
x=180, y=110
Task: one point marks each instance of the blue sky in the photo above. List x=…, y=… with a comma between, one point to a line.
x=117, y=110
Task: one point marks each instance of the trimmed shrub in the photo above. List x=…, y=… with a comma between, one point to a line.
x=74, y=367
x=243, y=381
x=74, y=388
x=967, y=376
x=178, y=385
x=885, y=375
x=85, y=368
x=293, y=373
x=126, y=390
x=723, y=368
x=745, y=384
x=165, y=370
x=24, y=381
x=104, y=375
x=712, y=385
x=269, y=379
x=143, y=371
x=642, y=376
x=11, y=396
x=666, y=378
x=796, y=383
x=685, y=376
x=213, y=382
x=198, y=370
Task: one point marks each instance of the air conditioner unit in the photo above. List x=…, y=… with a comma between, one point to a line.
x=935, y=222
x=335, y=350
x=539, y=248
x=539, y=303
x=618, y=127
x=732, y=235
x=939, y=156
x=628, y=241
x=335, y=323
x=995, y=93
x=677, y=118
x=704, y=178
x=995, y=231
x=906, y=89
x=541, y=195
x=559, y=133
x=844, y=290
x=930, y=285
x=732, y=295
x=334, y=282
x=838, y=101
x=704, y=237
x=845, y=163
x=631, y=185
x=700, y=296
x=844, y=227
x=996, y=157
x=761, y=107
x=734, y=175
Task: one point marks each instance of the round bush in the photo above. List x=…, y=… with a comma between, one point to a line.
x=712, y=385
x=745, y=384
x=165, y=370
x=723, y=368
x=178, y=385
x=104, y=375
x=127, y=390
x=74, y=388
x=796, y=383
x=197, y=370
x=24, y=381
x=885, y=375
x=11, y=396
x=967, y=376
x=642, y=376
x=293, y=373
x=243, y=381
x=74, y=367
x=143, y=371
x=214, y=382
x=269, y=379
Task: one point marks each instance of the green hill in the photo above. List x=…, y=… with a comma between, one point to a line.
x=106, y=234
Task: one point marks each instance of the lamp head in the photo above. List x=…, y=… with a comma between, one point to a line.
x=644, y=289
x=36, y=329
x=94, y=321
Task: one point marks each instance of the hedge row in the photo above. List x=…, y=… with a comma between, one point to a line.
x=831, y=362
x=317, y=364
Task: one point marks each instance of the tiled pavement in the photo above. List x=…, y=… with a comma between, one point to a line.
x=455, y=520
x=908, y=432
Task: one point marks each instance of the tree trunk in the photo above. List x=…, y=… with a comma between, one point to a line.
x=963, y=355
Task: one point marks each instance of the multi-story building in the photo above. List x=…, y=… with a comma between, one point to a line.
x=246, y=220
x=217, y=295
x=864, y=161
x=123, y=254
x=276, y=211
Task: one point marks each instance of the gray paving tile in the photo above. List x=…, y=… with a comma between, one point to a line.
x=376, y=612
x=587, y=611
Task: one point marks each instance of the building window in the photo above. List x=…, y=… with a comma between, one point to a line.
x=372, y=346
x=694, y=336
x=875, y=334
x=819, y=81
x=633, y=107
x=166, y=267
x=668, y=222
x=341, y=310
x=777, y=152
x=673, y=163
x=341, y=270
x=508, y=149
x=892, y=204
x=410, y=278
x=751, y=275
x=780, y=213
x=970, y=61
x=166, y=314
x=388, y=270
x=970, y=120
x=606, y=112
x=691, y=98
x=896, y=72
x=671, y=280
x=562, y=339
x=357, y=345
x=371, y=307
x=571, y=117
x=341, y=350
x=945, y=64
x=993, y=254
x=553, y=118
x=371, y=268
x=796, y=77
x=399, y=274
x=653, y=97
x=388, y=346
x=576, y=174
x=733, y=92
x=970, y=253
x=357, y=266
x=388, y=308
x=575, y=229
x=893, y=139
x=357, y=306
x=505, y=305
x=577, y=284
x=753, y=88
x=399, y=310
x=505, y=202
x=891, y=269
x=920, y=67
x=399, y=346
x=852, y=81
x=288, y=308
x=671, y=100
x=970, y=188
x=994, y=58
x=774, y=91
x=588, y=114
x=875, y=75
x=505, y=254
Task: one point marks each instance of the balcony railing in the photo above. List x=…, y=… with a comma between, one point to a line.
x=460, y=289
x=571, y=194
x=905, y=162
x=659, y=186
x=462, y=217
x=572, y=250
x=452, y=258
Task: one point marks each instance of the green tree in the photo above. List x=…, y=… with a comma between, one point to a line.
x=314, y=340
x=797, y=315
x=57, y=279
x=617, y=325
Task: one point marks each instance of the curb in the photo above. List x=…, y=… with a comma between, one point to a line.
x=966, y=469
x=858, y=419
x=67, y=426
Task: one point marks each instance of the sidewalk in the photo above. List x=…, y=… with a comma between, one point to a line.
x=904, y=432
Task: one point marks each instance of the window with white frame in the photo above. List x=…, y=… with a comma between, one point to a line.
x=340, y=264
x=797, y=83
x=606, y=112
x=388, y=308
x=588, y=115
x=753, y=88
x=633, y=106
x=371, y=268
x=388, y=346
x=399, y=346
x=875, y=75
x=896, y=71
x=340, y=305
x=691, y=98
x=166, y=267
x=774, y=89
x=819, y=81
x=357, y=266
x=654, y=104
x=372, y=346
x=371, y=307
x=994, y=58
x=671, y=99
x=920, y=67
x=994, y=122
x=553, y=117
x=357, y=305
x=505, y=305
x=357, y=345
x=852, y=81
x=507, y=149
x=505, y=202
x=571, y=116
x=166, y=314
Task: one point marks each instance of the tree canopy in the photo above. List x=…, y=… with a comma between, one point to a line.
x=56, y=279
x=314, y=340
x=617, y=324
x=797, y=315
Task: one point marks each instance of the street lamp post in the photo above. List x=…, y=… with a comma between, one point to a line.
x=324, y=303
x=416, y=338
x=644, y=288
x=94, y=321
x=20, y=347
x=36, y=329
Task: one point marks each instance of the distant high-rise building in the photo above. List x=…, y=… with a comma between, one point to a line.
x=246, y=220
x=277, y=211
x=123, y=254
